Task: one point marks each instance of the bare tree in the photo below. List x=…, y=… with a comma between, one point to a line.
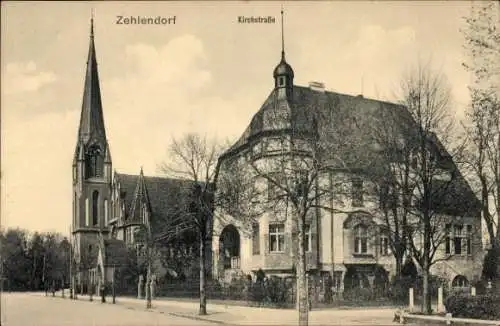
x=194, y=158
x=482, y=42
x=430, y=176
x=291, y=168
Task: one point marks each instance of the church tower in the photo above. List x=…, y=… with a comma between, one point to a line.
x=91, y=170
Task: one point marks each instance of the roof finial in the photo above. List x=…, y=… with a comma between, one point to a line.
x=92, y=22
x=282, y=36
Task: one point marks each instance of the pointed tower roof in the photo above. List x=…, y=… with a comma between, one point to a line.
x=141, y=197
x=283, y=68
x=91, y=119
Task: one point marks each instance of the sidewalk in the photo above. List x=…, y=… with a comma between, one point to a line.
x=238, y=315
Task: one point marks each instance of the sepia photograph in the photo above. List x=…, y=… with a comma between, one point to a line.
x=250, y=163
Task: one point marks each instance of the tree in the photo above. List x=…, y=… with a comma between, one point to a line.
x=482, y=43
x=431, y=177
x=292, y=166
x=145, y=238
x=194, y=158
x=391, y=175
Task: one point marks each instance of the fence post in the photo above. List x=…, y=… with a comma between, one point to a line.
x=440, y=300
x=411, y=300
x=448, y=319
x=139, y=287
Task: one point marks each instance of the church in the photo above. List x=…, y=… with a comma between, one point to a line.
x=109, y=207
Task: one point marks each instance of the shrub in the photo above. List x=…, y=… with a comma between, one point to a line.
x=481, y=286
x=400, y=287
x=480, y=307
x=277, y=290
x=490, y=263
x=358, y=294
x=236, y=289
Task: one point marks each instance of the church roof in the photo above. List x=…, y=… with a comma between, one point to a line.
x=91, y=119
x=321, y=112
x=168, y=197
x=112, y=252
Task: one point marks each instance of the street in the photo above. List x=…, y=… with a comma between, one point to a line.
x=38, y=310
x=20, y=309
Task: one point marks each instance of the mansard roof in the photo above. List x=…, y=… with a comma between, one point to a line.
x=318, y=112
x=310, y=110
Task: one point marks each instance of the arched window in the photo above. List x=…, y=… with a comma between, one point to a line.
x=460, y=281
x=87, y=212
x=95, y=207
x=94, y=163
x=360, y=239
x=106, y=212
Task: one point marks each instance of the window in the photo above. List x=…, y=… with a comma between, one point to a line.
x=129, y=235
x=360, y=239
x=94, y=162
x=87, y=212
x=308, y=237
x=469, y=240
x=276, y=237
x=384, y=245
x=460, y=281
x=448, y=238
x=255, y=239
x=95, y=207
x=458, y=239
x=105, y=212
x=337, y=281
x=357, y=192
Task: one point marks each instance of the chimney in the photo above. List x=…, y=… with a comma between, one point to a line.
x=317, y=86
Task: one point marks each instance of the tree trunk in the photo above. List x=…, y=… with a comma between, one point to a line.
x=148, y=283
x=302, y=287
x=399, y=264
x=203, y=294
x=426, y=302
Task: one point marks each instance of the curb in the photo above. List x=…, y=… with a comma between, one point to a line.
x=198, y=318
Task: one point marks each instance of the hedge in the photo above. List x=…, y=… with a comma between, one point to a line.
x=485, y=306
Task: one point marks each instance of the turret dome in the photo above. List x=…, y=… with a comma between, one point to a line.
x=283, y=69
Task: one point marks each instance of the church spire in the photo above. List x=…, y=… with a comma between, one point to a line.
x=91, y=119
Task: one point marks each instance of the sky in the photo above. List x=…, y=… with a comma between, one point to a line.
x=206, y=73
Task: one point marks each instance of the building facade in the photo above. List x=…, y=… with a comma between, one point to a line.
x=345, y=234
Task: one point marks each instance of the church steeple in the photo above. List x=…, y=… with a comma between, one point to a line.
x=283, y=73
x=91, y=119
